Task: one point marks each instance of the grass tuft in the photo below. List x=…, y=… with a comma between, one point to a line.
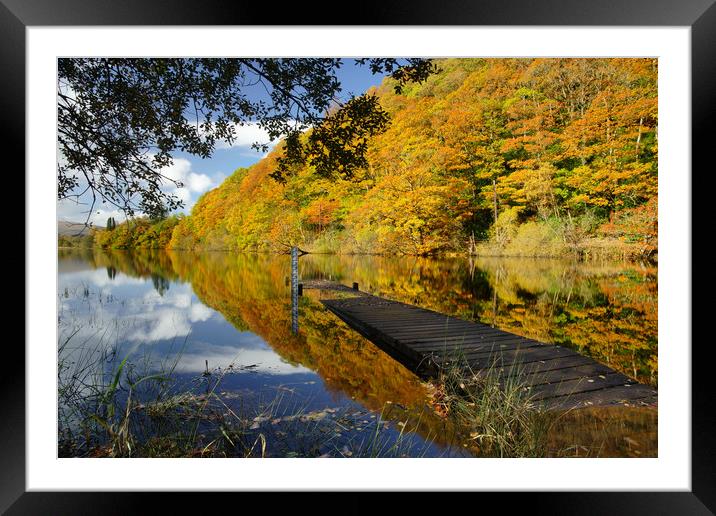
x=494, y=411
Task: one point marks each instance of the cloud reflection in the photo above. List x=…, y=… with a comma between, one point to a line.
x=145, y=322
x=263, y=360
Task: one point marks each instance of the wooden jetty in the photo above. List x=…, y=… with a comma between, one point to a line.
x=425, y=341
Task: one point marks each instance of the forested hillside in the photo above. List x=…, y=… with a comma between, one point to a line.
x=490, y=156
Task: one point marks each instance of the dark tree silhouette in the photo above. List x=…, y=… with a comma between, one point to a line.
x=119, y=120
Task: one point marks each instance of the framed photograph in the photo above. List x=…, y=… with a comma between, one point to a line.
x=451, y=246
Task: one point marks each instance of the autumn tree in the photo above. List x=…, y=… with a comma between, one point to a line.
x=558, y=152
x=614, y=140
x=321, y=212
x=473, y=132
x=120, y=120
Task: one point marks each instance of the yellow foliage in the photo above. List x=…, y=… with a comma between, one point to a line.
x=552, y=138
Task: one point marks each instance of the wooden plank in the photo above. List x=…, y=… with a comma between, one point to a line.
x=539, y=352
x=408, y=329
x=634, y=395
x=424, y=341
x=386, y=315
x=397, y=313
x=496, y=341
x=482, y=333
x=412, y=329
x=587, y=370
x=395, y=323
x=401, y=312
x=520, y=355
x=578, y=385
x=399, y=322
x=429, y=334
x=468, y=341
x=457, y=351
x=500, y=360
x=541, y=366
x=418, y=362
x=454, y=332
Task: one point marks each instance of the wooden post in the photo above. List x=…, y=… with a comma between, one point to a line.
x=294, y=289
x=355, y=286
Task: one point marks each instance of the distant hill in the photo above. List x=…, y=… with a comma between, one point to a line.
x=68, y=228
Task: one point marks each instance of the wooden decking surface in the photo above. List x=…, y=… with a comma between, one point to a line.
x=424, y=341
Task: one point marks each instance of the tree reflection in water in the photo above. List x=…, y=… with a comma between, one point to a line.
x=607, y=311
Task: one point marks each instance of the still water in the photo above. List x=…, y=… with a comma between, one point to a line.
x=226, y=318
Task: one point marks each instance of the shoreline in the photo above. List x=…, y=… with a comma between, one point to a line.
x=573, y=257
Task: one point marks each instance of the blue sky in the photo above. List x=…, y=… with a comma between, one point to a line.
x=200, y=175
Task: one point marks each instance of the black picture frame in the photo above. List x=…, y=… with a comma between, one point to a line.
x=700, y=15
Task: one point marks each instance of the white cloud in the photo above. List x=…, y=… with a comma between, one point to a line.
x=167, y=324
x=193, y=183
x=180, y=171
x=183, y=195
x=182, y=300
x=199, y=312
x=199, y=182
x=247, y=135
x=219, y=178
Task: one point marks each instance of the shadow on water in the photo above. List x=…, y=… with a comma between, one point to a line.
x=607, y=311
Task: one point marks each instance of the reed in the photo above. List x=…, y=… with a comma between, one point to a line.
x=494, y=410
x=138, y=408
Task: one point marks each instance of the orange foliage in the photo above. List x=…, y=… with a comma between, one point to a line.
x=551, y=138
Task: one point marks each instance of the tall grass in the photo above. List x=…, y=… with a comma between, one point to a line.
x=97, y=406
x=494, y=410
x=134, y=411
x=112, y=406
x=588, y=237
x=499, y=418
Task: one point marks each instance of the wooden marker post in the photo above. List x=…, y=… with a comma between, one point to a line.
x=294, y=289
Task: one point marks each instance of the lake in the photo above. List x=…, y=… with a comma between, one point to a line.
x=211, y=333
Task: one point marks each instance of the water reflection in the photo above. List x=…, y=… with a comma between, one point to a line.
x=607, y=311
x=171, y=301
